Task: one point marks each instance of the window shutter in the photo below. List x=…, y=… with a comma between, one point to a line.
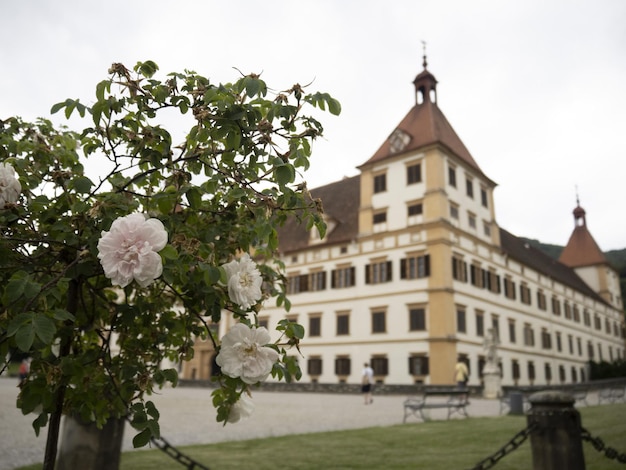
x=352, y=277
x=389, y=271
x=427, y=265
x=403, y=268
x=367, y=274
x=333, y=279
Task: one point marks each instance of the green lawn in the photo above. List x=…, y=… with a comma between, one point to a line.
x=455, y=444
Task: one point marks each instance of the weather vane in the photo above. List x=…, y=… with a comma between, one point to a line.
x=424, y=56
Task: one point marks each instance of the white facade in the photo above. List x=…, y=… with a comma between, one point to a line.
x=462, y=276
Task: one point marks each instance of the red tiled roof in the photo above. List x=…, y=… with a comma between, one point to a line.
x=340, y=202
x=582, y=250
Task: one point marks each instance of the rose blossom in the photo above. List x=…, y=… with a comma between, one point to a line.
x=243, y=353
x=243, y=408
x=10, y=187
x=244, y=281
x=129, y=250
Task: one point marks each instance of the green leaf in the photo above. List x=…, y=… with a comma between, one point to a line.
x=63, y=315
x=25, y=336
x=171, y=375
x=147, y=68
x=194, y=197
x=57, y=107
x=40, y=422
x=169, y=252
x=284, y=174
x=44, y=328
x=82, y=184
x=14, y=290
x=142, y=439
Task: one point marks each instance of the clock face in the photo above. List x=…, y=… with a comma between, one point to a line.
x=398, y=140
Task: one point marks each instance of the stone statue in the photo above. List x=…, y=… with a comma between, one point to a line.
x=491, y=372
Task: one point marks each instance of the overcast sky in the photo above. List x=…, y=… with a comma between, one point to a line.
x=536, y=89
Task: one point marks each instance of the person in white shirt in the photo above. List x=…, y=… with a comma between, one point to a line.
x=367, y=379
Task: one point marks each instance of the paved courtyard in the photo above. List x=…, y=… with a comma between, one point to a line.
x=188, y=417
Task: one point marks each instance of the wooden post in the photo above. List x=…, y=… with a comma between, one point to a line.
x=556, y=438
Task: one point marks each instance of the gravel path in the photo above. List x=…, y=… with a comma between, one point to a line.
x=188, y=417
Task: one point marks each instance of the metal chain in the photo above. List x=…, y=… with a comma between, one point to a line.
x=598, y=444
x=177, y=455
x=509, y=447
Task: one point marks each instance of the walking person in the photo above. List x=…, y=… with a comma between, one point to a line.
x=367, y=380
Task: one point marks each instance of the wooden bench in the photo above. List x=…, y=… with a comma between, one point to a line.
x=454, y=400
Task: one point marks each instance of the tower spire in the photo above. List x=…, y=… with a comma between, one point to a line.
x=424, y=61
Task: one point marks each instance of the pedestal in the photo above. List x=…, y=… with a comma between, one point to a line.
x=492, y=383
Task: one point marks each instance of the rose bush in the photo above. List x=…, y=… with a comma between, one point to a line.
x=108, y=274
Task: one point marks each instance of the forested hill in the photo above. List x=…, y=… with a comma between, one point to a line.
x=617, y=258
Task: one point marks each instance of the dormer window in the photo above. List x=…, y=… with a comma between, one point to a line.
x=398, y=140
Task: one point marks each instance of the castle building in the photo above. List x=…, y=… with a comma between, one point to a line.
x=414, y=272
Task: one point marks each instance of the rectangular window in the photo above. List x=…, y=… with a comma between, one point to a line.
x=524, y=293
x=413, y=174
x=541, y=300
x=487, y=228
x=492, y=281
x=343, y=324
x=576, y=314
x=459, y=269
x=380, y=364
x=529, y=335
x=343, y=277
x=414, y=209
x=471, y=220
x=306, y=282
x=317, y=281
x=556, y=306
x=559, y=344
x=567, y=310
x=377, y=273
x=379, y=324
x=315, y=326
x=547, y=370
x=454, y=211
x=579, y=345
x=512, y=333
x=586, y=315
x=380, y=183
x=418, y=365
x=480, y=323
x=314, y=366
x=461, y=327
x=452, y=176
x=379, y=218
x=483, y=197
x=570, y=344
x=516, y=369
x=415, y=267
x=546, y=339
x=417, y=319
x=590, y=350
x=531, y=371
x=476, y=276
x=469, y=188
x=597, y=323
x=342, y=366
x=562, y=377
x=509, y=288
